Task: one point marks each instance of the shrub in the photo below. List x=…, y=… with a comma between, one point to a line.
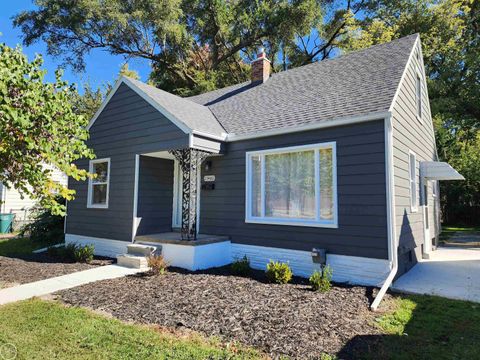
x=278, y=272
x=157, y=264
x=72, y=252
x=45, y=227
x=241, y=266
x=321, y=280
x=83, y=253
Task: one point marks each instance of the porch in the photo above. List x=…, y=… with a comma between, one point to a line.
x=167, y=211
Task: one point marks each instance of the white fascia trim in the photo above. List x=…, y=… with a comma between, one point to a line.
x=144, y=96
x=326, y=124
x=391, y=220
x=161, y=109
x=404, y=74
x=222, y=137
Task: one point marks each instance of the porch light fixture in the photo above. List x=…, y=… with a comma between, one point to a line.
x=208, y=165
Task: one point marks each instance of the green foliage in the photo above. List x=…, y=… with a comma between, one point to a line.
x=19, y=246
x=194, y=45
x=322, y=280
x=157, y=264
x=38, y=126
x=89, y=102
x=83, y=253
x=45, y=227
x=77, y=333
x=73, y=252
x=428, y=327
x=241, y=266
x=278, y=272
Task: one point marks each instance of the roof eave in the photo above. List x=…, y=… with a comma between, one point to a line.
x=325, y=124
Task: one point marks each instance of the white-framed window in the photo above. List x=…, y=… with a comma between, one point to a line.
x=412, y=174
x=292, y=186
x=98, y=187
x=418, y=96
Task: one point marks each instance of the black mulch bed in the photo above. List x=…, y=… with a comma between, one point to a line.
x=36, y=267
x=278, y=319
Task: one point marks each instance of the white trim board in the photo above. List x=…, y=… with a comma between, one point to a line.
x=103, y=247
x=144, y=96
x=199, y=257
x=346, y=269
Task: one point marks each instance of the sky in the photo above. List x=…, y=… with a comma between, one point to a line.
x=101, y=67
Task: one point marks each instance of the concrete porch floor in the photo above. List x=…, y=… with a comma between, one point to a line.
x=176, y=238
x=450, y=272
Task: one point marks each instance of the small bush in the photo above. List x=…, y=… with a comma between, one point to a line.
x=321, y=280
x=278, y=272
x=157, y=264
x=83, y=253
x=241, y=267
x=45, y=227
x=72, y=252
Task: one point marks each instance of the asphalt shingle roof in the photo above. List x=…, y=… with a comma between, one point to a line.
x=193, y=115
x=358, y=83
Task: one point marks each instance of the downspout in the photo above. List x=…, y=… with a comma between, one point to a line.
x=391, y=227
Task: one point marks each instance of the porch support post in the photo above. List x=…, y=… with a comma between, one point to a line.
x=190, y=161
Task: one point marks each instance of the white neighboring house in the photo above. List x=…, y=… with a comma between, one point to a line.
x=12, y=201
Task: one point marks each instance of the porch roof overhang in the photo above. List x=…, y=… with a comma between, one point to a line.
x=438, y=170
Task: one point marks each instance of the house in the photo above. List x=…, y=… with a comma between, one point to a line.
x=12, y=202
x=338, y=156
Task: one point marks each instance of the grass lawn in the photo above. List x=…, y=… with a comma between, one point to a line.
x=18, y=246
x=448, y=231
x=48, y=330
x=429, y=327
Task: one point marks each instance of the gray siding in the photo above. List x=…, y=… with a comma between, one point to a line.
x=361, y=194
x=409, y=133
x=155, y=195
x=127, y=126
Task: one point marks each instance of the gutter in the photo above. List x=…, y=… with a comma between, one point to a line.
x=391, y=226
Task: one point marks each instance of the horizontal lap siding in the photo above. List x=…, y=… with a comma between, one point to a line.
x=418, y=136
x=361, y=194
x=127, y=126
x=155, y=195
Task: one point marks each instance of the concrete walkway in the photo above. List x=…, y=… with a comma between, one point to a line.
x=48, y=286
x=450, y=272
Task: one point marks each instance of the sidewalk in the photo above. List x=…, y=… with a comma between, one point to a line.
x=48, y=286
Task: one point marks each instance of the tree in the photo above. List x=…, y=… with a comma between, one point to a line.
x=192, y=44
x=89, y=102
x=450, y=33
x=38, y=127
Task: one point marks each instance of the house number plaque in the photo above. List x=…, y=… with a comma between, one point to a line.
x=209, y=178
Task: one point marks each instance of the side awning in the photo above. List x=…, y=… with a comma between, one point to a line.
x=437, y=170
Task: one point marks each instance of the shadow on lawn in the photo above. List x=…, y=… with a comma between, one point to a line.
x=432, y=328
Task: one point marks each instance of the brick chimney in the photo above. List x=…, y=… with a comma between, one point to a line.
x=260, y=68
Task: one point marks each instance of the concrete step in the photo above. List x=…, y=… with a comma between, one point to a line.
x=132, y=261
x=141, y=250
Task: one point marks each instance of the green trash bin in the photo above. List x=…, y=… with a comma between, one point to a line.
x=6, y=222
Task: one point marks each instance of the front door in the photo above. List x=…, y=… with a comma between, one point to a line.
x=177, y=196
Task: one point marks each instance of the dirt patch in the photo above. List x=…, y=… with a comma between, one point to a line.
x=36, y=267
x=278, y=319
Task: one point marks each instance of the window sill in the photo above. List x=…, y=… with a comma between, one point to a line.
x=90, y=206
x=414, y=210
x=292, y=223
